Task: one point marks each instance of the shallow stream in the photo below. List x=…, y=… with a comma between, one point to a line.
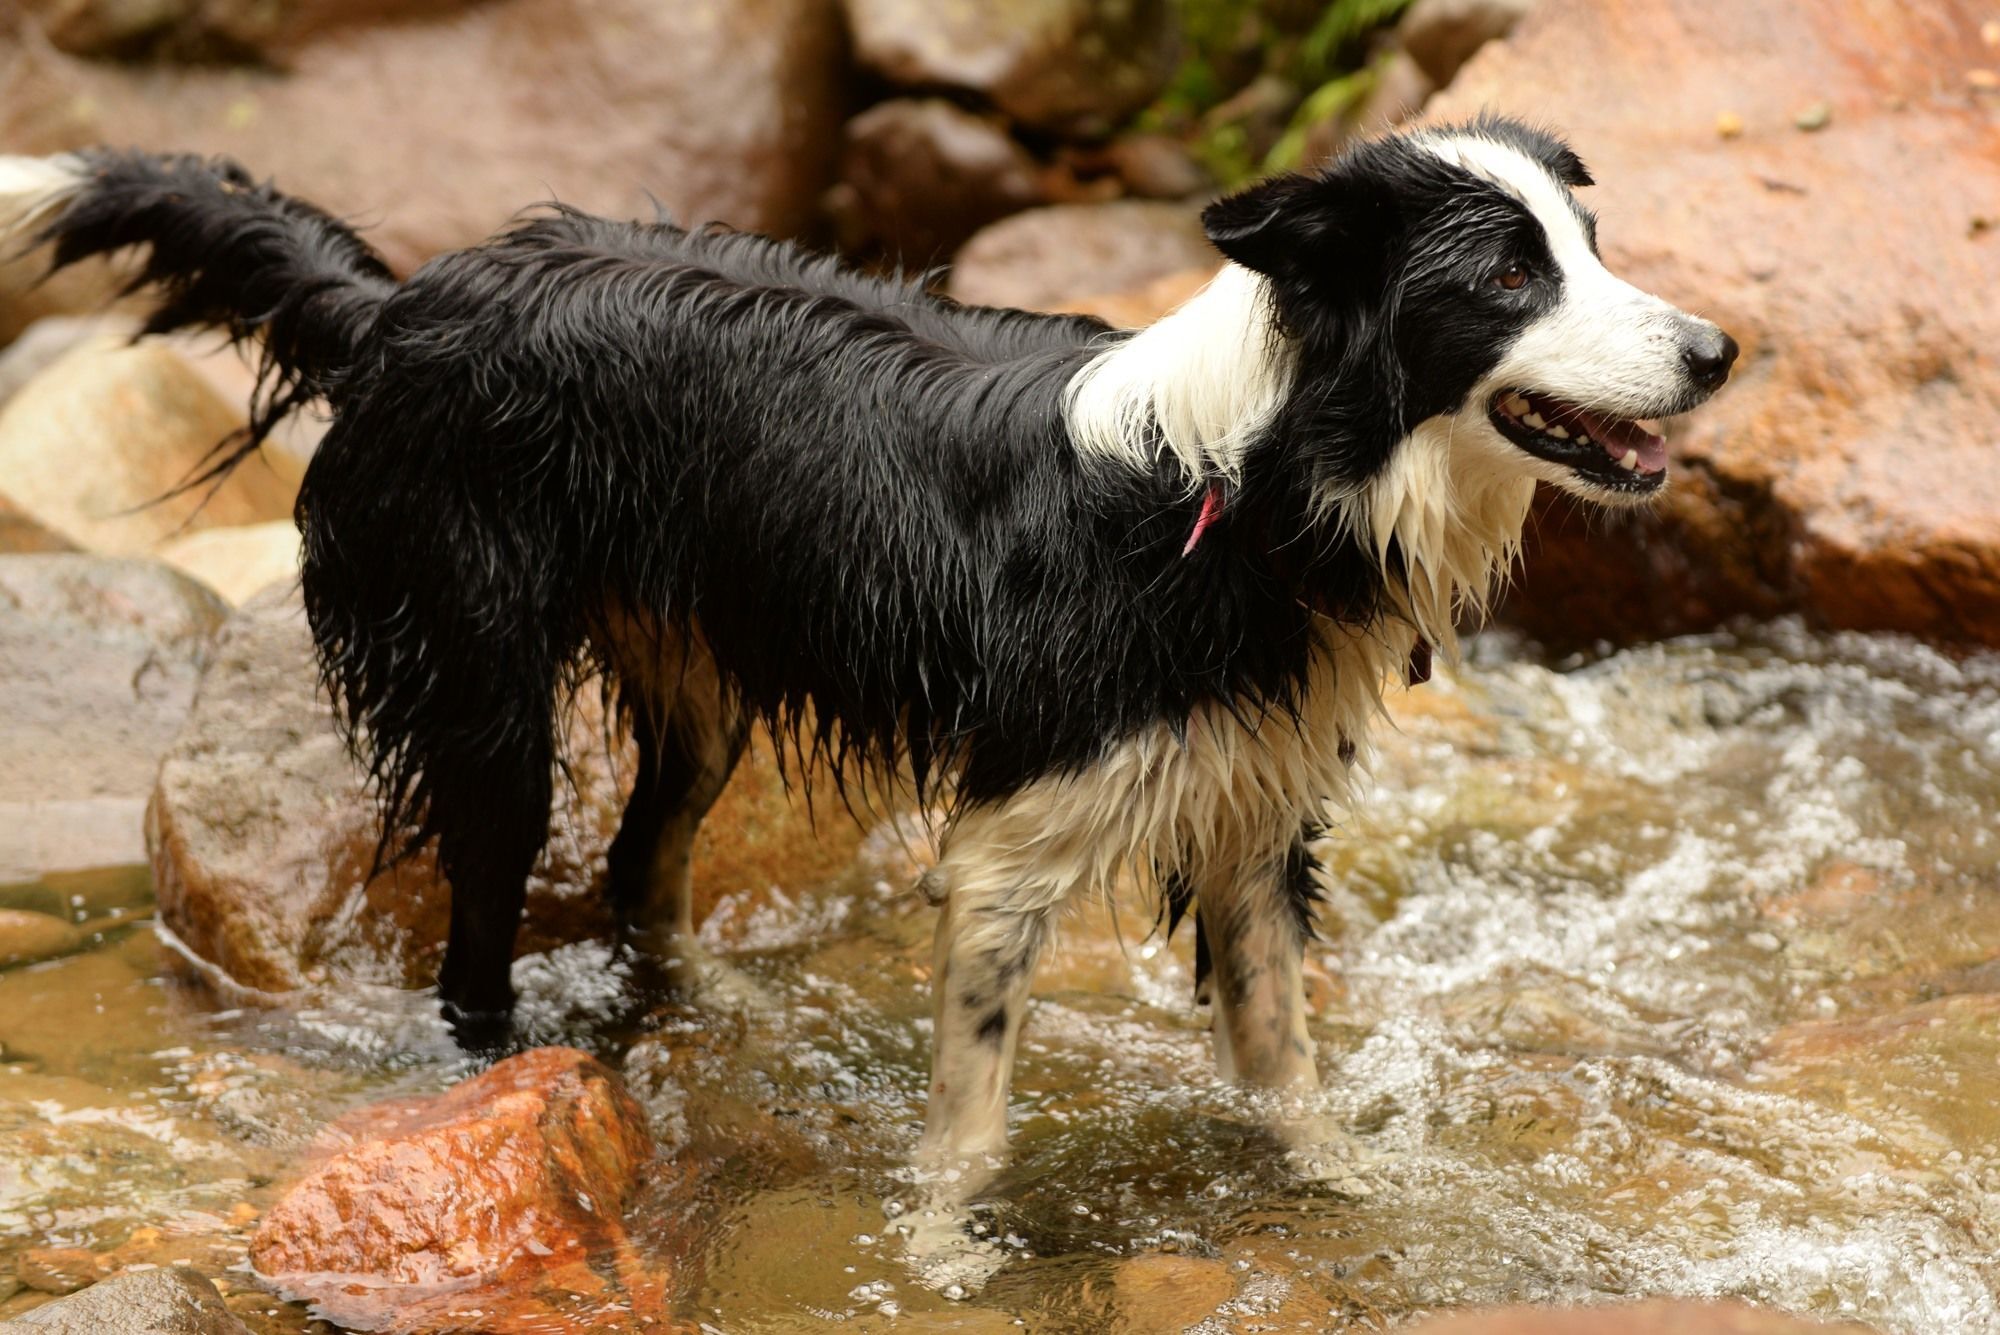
x=1672, y=972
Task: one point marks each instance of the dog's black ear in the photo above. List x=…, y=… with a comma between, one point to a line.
x=1296, y=226
x=1270, y=226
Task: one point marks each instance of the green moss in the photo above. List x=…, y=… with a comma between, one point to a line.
x=1229, y=44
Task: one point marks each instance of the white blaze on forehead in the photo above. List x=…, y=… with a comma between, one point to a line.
x=1528, y=181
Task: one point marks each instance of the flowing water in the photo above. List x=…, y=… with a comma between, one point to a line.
x=1672, y=972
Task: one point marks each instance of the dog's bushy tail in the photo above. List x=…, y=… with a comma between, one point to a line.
x=223, y=251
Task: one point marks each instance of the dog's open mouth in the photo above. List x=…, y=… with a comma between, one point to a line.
x=1609, y=451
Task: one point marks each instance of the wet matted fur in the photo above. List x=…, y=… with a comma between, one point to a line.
x=1123, y=604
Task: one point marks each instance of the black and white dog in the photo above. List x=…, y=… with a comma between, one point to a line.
x=1118, y=604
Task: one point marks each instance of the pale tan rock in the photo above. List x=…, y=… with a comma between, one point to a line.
x=238, y=562
x=91, y=445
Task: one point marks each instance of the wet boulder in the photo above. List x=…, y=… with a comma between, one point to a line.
x=171, y=1300
x=1076, y=67
x=262, y=832
x=1441, y=35
x=1049, y=258
x=1847, y=472
x=498, y=1202
x=22, y=532
x=438, y=127
x=98, y=664
x=239, y=560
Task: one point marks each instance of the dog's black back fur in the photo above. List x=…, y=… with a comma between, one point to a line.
x=584, y=414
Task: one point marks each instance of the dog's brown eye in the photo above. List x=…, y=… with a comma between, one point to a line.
x=1514, y=277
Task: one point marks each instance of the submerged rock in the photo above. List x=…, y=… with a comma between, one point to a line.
x=497, y=1203
x=1848, y=471
x=172, y=1300
x=26, y=937
x=1655, y=1317
x=98, y=663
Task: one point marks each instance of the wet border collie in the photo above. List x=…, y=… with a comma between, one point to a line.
x=1117, y=605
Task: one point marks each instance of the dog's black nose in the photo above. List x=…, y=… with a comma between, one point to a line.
x=1709, y=355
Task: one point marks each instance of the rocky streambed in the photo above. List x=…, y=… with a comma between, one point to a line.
x=1667, y=973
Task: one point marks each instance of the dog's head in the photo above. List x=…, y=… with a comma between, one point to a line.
x=1448, y=281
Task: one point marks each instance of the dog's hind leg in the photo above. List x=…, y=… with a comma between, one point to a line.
x=1255, y=922
x=491, y=821
x=690, y=735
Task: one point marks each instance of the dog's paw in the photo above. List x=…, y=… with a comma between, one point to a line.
x=701, y=978
x=946, y=1251
x=1321, y=1151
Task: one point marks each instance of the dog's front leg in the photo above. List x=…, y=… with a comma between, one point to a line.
x=1257, y=920
x=1256, y=939
x=983, y=965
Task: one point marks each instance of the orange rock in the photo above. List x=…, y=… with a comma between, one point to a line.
x=1849, y=471
x=58, y=1270
x=497, y=1202
x=1657, y=1317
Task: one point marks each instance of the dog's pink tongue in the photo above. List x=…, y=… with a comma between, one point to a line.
x=1619, y=438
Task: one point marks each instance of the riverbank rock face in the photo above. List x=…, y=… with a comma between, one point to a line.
x=1848, y=472
x=261, y=832
x=495, y=1205
x=98, y=664
x=722, y=109
x=172, y=1300
x=1071, y=66
x=1047, y=258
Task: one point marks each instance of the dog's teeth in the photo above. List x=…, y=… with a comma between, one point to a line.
x=1517, y=406
x=1558, y=433
x=1630, y=461
x=1582, y=439
x=1534, y=420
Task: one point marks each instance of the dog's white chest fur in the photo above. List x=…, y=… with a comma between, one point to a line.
x=1231, y=789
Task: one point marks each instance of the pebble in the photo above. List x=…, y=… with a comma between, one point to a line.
x=1729, y=125
x=26, y=936
x=1983, y=80
x=57, y=1270
x=1816, y=116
